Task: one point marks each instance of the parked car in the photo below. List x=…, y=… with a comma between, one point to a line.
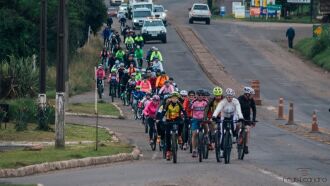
x=199, y=12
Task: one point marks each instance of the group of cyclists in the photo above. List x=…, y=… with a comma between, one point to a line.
x=156, y=99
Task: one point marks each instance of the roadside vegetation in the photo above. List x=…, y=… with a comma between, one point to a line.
x=316, y=49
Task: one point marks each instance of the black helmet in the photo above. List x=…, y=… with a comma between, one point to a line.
x=200, y=92
x=191, y=92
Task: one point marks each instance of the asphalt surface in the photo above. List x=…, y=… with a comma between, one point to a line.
x=276, y=156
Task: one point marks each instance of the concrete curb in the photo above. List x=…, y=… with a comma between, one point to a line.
x=47, y=143
x=91, y=115
x=68, y=164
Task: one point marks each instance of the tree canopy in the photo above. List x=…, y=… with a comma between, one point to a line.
x=19, y=25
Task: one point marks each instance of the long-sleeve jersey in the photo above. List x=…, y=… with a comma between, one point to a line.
x=228, y=109
x=138, y=95
x=151, y=109
x=246, y=106
x=166, y=90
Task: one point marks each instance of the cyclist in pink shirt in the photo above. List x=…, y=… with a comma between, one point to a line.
x=150, y=112
x=198, y=106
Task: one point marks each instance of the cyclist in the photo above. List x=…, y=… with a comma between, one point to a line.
x=113, y=80
x=157, y=64
x=106, y=35
x=120, y=72
x=123, y=81
x=166, y=89
x=100, y=75
x=138, y=75
x=187, y=107
x=109, y=21
x=137, y=96
x=131, y=69
x=172, y=110
x=145, y=85
x=198, y=106
x=150, y=111
x=212, y=105
x=114, y=41
x=139, y=40
x=247, y=104
x=148, y=56
x=139, y=55
x=156, y=53
x=130, y=60
x=130, y=86
x=171, y=79
x=129, y=42
x=229, y=108
x=161, y=80
x=120, y=54
x=122, y=21
x=152, y=80
x=104, y=55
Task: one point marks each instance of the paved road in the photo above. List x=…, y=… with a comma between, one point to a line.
x=275, y=156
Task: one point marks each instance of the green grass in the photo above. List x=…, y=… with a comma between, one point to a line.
x=72, y=133
x=9, y=184
x=322, y=59
x=20, y=158
x=88, y=108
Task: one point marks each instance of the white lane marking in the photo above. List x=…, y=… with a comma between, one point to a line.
x=154, y=155
x=279, y=177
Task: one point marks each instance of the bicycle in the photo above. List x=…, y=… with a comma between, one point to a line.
x=112, y=91
x=218, y=137
x=174, y=141
x=100, y=87
x=202, y=142
x=227, y=138
x=153, y=145
x=242, y=138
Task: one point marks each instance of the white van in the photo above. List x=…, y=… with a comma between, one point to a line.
x=139, y=15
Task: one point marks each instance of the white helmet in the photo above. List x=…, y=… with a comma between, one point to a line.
x=184, y=93
x=117, y=61
x=230, y=92
x=248, y=90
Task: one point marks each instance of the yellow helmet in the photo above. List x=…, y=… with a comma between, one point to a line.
x=217, y=91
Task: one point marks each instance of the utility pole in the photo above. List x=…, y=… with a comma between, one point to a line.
x=43, y=55
x=62, y=42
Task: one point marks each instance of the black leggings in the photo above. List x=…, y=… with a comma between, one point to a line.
x=151, y=124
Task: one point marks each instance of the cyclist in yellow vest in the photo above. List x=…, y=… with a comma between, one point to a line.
x=156, y=53
x=173, y=111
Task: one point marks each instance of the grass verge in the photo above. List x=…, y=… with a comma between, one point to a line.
x=322, y=59
x=19, y=158
x=72, y=133
x=9, y=184
x=88, y=108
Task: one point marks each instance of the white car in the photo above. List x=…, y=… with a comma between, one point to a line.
x=116, y=2
x=160, y=12
x=139, y=16
x=154, y=29
x=123, y=8
x=199, y=12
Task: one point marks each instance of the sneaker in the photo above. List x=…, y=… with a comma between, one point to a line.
x=194, y=154
x=180, y=141
x=246, y=150
x=185, y=146
x=151, y=141
x=168, y=155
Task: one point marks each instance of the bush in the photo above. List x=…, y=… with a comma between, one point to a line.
x=321, y=44
x=19, y=77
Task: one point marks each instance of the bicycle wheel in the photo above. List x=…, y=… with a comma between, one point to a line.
x=227, y=147
x=174, y=146
x=206, y=148
x=200, y=146
x=190, y=141
x=145, y=127
x=154, y=144
x=217, y=146
x=241, y=143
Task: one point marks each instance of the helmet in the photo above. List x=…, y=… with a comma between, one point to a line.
x=155, y=98
x=113, y=70
x=122, y=64
x=248, y=90
x=200, y=92
x=138, y=46
x=117, y=61
x=156, y=49
x=100, y=66
x=191, y=92
x=206, y=93
x=184, y=93
x=217, y=91
x=138, y=87
x=175, y=94
x=230, y=92
x=153, y=48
